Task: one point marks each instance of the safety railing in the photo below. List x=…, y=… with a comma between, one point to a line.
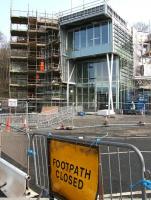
x=121, y=166
x=80, y=8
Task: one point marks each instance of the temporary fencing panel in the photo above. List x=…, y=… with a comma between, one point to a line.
x=40, y=161
x=39, y=120
x=121, y=166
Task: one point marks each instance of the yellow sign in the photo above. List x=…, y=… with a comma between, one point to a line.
x=74, y=170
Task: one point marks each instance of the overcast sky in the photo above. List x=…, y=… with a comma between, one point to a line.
x=130, y=10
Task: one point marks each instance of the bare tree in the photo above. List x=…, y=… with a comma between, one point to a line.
x=141, y=27
x=4, y=67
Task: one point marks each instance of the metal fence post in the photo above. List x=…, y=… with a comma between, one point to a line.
x=106, y=176
x=100, y=190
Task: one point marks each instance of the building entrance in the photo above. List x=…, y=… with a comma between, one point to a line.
x=102, y=101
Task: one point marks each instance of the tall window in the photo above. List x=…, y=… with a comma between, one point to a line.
x=70, y=41
x=83, y=37
x=97, y=34
x=104, y=32
x=85, y=73
x=91, y=72
x=90, y=36
x=79, y=73
x=102, y=71
x=76, y=40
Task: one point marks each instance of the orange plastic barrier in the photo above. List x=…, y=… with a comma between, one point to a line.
x=42, y=66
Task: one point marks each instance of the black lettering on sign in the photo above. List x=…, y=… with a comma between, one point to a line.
x=65, y=178
x=76, y=170
x=57, y=163
x=57, y=173
x=80, y=184
x=62, y=167
x=54, y=161
x=67, y=164
x=61, y=176
x=70, y=180
x=88, y=174
x=71, y=167
x=75, y=182
x=82, y=169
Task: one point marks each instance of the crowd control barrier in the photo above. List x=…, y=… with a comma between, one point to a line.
x=74, y=168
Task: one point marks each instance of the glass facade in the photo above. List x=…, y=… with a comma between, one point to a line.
x=87, y=45
x=97, y=34
x=94, y=72
x=92, y=84
x=105, y=33
x=88, y=36
x=70, y=40
x=76, y=40
x=83, y=37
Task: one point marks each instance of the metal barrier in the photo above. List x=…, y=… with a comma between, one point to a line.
x=121, y=166
x=65, y=115
x=15, y=149
x=13, y=181
x=39, y=120
x=39, y=143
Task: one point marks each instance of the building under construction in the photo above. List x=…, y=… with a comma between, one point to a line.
x=96, y=58
x=35, y=75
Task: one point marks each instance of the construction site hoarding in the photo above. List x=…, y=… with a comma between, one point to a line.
x=73, y=170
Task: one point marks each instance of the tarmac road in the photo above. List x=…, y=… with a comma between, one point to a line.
x=120, y=129
x=135, y=130
x=110, y=171
x=144, y=145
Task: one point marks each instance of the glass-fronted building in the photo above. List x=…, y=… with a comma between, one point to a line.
x=96, y=57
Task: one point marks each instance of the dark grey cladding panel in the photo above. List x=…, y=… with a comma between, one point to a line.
x=84, y=14
x=102, y=11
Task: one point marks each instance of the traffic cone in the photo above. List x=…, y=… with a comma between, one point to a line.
x=7, y=127
x=25, y=125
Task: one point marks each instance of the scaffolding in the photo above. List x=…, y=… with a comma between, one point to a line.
x=35, y=59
